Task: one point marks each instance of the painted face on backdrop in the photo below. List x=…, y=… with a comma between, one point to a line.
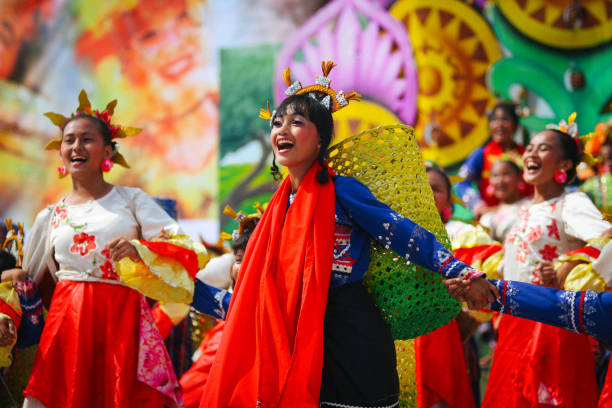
x=542, y=158
x=83, y=149
x=295, y=140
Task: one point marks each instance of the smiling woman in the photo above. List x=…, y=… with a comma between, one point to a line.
x=91, y=250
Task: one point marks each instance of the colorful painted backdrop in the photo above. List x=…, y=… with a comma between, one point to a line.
x=194, y=73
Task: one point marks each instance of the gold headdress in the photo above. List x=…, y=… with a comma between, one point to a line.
x=321, y=91
x=117, y=131
x=13, y=242
x=571, y=128
x=245, y=221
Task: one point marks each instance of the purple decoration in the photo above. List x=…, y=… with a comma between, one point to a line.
x=371, y=48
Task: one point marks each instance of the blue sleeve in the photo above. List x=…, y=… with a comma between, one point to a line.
x=210, y=300
x=585, y=312
x=471, y=171
x=397, y=232
x=32, y=319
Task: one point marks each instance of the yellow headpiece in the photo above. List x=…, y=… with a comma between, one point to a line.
x=13, y=242
x=117, y=131
x=321, y=91
x=245, y=221
x=571, y=128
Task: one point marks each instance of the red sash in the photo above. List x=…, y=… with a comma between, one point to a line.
x=272, y=346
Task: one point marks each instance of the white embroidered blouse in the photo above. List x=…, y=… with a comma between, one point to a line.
x=77, y=235
x=546, y=230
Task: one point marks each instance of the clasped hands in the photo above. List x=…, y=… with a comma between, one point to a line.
x=478, y=293
x=120, y=248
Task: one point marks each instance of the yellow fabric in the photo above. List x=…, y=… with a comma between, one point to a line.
x=8, y=295
x=6, y=357
x=175, y=311
x=160, y=277
x=584, y=277
x=473, y=237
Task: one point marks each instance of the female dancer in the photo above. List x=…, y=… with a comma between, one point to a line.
x=302, y=330
x=503, y=123
x=100, y=346
x=535, y=363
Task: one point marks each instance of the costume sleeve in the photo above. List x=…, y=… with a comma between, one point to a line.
x=9, y=309
x=581, y=218
x=595, y=270
x=476, y=248
x=471, y=171
x=38, y=254
x=217, y=272
x=32, y=318
x=397, y=232
x=585, y=312
x=167, y=268
x=210, y=300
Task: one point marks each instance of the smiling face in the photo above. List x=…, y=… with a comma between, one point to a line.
x=502, y=126
x=542, y=158
x=440, y=191
x=295, y=140
x=505, y=181
x=83, y=149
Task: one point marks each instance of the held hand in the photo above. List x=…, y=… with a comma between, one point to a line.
x=457, y=288
x=162, y=236
x=547, y=274
x=481, y=293
x=121, y=248
x=7, y=331
x=607, y=233
x=14, y=275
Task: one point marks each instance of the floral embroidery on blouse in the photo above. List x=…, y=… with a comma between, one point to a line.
x=108, y=271
x=549, y=253
x=59, y=214
x=83, y=243
x=553, y=231
x=534, y=234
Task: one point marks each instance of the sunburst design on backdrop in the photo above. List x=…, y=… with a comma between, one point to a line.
x=547, y=21
x=361, y=116
x=454, y=47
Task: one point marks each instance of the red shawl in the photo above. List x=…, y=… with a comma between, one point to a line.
x=272, y=346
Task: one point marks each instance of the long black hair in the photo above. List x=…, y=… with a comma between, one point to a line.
x=313, y=110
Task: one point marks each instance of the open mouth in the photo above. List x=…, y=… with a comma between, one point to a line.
x=178, y=66
x=284, y=144
x=532, y=166
x=78, y=160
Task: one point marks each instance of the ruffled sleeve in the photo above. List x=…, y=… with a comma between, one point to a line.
x=595, y=270
x=167, y=268
x=38, y=253
x=9, y=309
x=581, y=218
x=397, y=232
x=476, y=248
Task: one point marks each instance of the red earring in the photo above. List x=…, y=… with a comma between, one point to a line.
x=490, y=190
x=522, y=187
x=61, y=171
x=560, y=176
x=106, y=165
x=446, y=214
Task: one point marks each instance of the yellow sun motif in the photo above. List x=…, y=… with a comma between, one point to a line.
x=453, y=47
x=361, y=116
x=559, y=23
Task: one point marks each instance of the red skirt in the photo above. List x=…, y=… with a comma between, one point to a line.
x=605, y=399
x=537, y=365
x=441, y=372
x=89, y=350
x=194, y=380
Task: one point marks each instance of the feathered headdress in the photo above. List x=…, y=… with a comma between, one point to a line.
x=245, y=221
x=321, y=91
x=117, y=131
x=13, y=242
x=571, y=128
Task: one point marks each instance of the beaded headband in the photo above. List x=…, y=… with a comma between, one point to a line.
x=117, y=131
x=244, y=220
x=321, y=91
x=571, y=128
x=13, y=242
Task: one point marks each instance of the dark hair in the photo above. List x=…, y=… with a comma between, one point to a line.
x=447, y=181
x=313, y=110
x=509, y=109
x=7, y=260
x=102, y=126
x=569, y=151
x=512, y=164
x=608, y=141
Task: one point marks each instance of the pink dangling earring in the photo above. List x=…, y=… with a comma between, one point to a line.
x=560, y=176
x=490, y=190
x=522, y=187
x=106, y=165
x=446, y=214
x=61, y=170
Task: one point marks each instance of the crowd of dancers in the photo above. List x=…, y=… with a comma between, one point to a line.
x=295, y=324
